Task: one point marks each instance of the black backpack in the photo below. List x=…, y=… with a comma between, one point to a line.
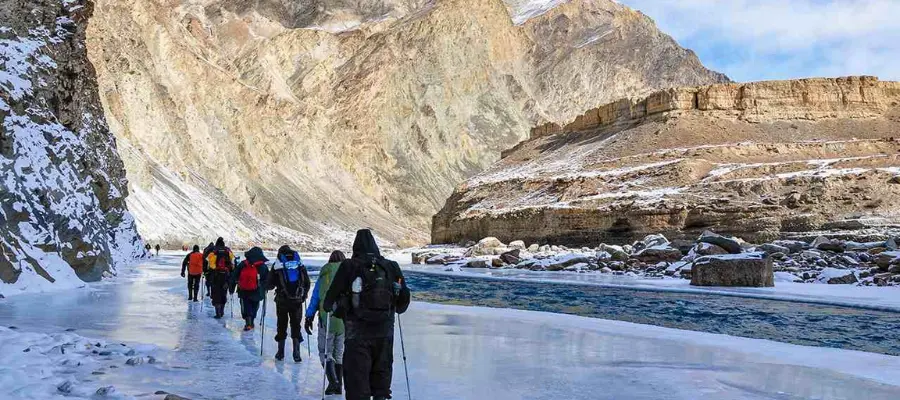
x=375, y=302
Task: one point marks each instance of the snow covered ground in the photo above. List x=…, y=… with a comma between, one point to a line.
x=454, y=353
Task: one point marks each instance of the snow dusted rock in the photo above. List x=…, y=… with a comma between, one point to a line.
x=618, y=253
x=891, y=244
x=782, y=276
x=834, y=276
x=654, y=255
x=486, y=247
x=731, y=245
x=826, y=244
x=62, y=183
x=884, y=260
x=517, y=245
x=511, y=257
x=772, y=248
x=477, y=263
x=748, y=269
x=533, y=248
x=654, y=241
x=708, y=249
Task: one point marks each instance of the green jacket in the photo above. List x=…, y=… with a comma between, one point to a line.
x=316, y=303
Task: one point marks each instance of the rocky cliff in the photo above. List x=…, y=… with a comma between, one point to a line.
x=320, y=117
x=758, y=160
x=62, y=185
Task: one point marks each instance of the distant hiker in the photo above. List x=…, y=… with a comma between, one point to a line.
x=193, y=262
x=331, y=339
x=147, y=252
x=209, y=248
x=157, y=249
x=366, y=292
x=249, y=277
x=290, y=280
x=220, y=263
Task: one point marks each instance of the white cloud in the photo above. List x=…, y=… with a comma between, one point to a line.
x=781, y=39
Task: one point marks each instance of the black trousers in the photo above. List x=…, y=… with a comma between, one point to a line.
x=219, y=288
x=249, y=308
x=193, y=285
x=368, y=367
x=288, y=314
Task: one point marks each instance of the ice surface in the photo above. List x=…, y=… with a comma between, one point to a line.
x=454, y=352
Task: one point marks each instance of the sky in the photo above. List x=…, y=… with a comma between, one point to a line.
x=751, y=40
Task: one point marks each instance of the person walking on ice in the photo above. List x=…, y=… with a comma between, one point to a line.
x=193, y=262
x=220, y=262
x=331, y=340
x=157, y=249
x=249, y=277
x=366, y=292
x=291, y=283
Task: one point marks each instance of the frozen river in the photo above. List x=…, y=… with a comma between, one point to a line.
x=455, y=352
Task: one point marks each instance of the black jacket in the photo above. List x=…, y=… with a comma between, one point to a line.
x=365, y=252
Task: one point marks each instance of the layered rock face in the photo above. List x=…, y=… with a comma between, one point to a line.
x=321, y=117
x=62, y=185
x=759, y=161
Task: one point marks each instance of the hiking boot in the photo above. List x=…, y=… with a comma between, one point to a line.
x=280, y=354
x=296, y=346
x=331, y=375
x=339, y=374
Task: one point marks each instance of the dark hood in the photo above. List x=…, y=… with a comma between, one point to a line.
x=220, y=242
x=255, y=255
x=285, y=250
x=364, y=245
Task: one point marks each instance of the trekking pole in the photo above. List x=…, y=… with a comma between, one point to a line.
x=325, y=372
x=308, y=337
x=202, y=293
x=262, y=335
x=403, y=349
x=232, y=305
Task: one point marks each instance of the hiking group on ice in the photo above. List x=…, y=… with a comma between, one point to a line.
x=356, y=300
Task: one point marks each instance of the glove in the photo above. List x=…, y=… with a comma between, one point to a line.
x=182, y=274
x=308, y=325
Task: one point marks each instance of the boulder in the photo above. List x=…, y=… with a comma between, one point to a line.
x=795, y=246
x=560, y=263
x=419, y=258
x=746, y=270
x=834, y=276
x=497, y=263
x=533, y=248
x=517, y=245
x=485, y=247
x=885, y=259
x=891, y=244
x=825, y=244
x=653, y=255
x=882, y=279
x=511, y=257
x=731, y=245
x=655, y=241
x=772, y=248
x=478, y=263
x=708, y=249
x=617, y=252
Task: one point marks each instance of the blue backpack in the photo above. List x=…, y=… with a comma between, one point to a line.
x=292, y=276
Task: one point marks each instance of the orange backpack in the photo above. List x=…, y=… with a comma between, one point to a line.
x=195, y=264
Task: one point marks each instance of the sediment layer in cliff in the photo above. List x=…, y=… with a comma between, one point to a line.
x=62, y=185
x=757, y=160
x=324, y=117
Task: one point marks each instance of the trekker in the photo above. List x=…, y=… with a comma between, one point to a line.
x=250, y=279
x=366, y=292
x=220, y=263
x=331, y=339
x=157, y=249
x=290, y=280
x=209, y=248
x=193, y=262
